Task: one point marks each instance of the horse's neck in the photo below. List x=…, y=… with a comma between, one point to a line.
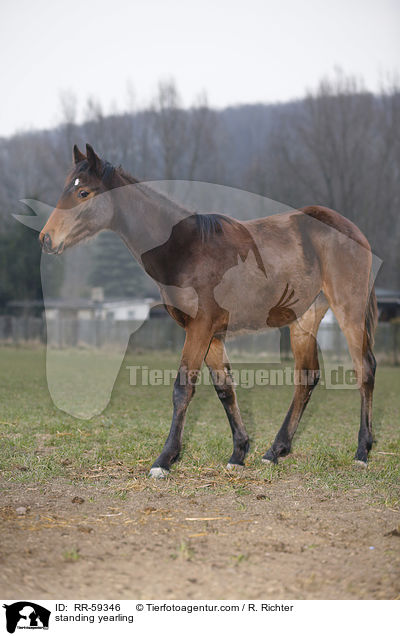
x=143, y=218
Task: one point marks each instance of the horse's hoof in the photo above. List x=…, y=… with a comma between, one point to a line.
x=270, y=457
x=158, y=473
x=359, y=462
x=230, y=466
x=271, y=460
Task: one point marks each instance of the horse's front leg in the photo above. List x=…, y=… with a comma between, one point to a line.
x=220, y=370
x=198, y=337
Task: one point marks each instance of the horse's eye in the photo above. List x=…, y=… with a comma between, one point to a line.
x=83, y=194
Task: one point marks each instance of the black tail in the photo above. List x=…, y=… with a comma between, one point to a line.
x=371, y=319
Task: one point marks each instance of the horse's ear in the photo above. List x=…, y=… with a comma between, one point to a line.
x=94, y=161
x=77, y=155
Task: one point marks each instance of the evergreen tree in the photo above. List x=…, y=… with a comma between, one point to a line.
x=20, y=255
x=116, y=270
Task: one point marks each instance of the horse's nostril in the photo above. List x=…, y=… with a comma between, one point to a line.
x=46, y=241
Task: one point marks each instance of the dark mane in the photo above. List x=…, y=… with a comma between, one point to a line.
x=126, y=176
x=152, y=193
x=210, y=224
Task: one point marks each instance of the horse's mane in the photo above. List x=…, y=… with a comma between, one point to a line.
x=152, y=193
x=126, y=176
x=208, y=225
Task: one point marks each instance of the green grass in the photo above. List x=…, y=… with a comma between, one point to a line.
x=40, y=442
x=71, y=555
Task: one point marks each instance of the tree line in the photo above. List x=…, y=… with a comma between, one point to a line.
x=339, y=146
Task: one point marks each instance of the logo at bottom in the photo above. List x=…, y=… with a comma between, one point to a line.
x=26, y=615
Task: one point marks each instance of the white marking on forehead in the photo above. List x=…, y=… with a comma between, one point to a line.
x=76, y=182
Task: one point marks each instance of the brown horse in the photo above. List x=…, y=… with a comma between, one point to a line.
x=218, y=275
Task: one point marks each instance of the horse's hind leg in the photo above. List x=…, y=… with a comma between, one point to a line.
x=365, y=435
x=220, y=370
x=303, y=335
x=360, y=337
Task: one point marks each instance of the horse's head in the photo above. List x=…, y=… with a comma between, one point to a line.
x=80, y=213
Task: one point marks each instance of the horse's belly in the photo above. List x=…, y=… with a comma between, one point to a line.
x=261, y=304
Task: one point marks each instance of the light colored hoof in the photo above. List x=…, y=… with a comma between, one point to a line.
x=360, y=463
x=267, y=461
x=234, y=467
x=158, y=473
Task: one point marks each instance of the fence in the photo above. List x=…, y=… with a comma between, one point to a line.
x=164, y=334
x=19, y=329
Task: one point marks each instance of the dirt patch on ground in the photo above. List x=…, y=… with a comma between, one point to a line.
x=145, y=540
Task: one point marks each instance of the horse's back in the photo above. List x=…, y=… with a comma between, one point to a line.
x=289, y=224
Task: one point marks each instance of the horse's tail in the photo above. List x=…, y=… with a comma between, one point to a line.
x=371, y=319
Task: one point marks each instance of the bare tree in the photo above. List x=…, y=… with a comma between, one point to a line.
x=340, y=147
x=170, y=128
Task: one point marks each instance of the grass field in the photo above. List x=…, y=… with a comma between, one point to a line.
x=39, y=442
x=79, y=517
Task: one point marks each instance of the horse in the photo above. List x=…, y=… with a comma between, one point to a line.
x=217, y=274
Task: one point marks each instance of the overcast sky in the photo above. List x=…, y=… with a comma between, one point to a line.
x=236, y=51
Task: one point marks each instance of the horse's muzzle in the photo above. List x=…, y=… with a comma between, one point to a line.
x=47, y=245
